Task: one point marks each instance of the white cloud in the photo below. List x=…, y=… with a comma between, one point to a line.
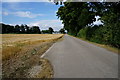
x=5, y=13
x=97, y=17
x=26, y=14
x=45, y=24
x=97, y=22
x=56, y=12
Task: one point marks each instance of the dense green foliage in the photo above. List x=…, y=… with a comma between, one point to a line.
x=62, y=31
x=78, y=20
x=45, y=31
x=23, y=29
x=49, y=31
x=35, y=29
x=75, y=16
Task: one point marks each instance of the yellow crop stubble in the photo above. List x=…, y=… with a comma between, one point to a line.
x=14, y=43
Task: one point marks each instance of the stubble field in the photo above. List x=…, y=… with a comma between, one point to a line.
x=21, y=55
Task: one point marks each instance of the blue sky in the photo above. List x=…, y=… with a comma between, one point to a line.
x=42, y=14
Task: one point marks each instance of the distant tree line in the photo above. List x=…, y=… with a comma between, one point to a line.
x=78, y=18
x=24, y=29
x=49, y=31
x=62, y=30
x=20, y=29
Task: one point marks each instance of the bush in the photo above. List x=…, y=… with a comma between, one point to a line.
x=107, y=34
x=83, y=33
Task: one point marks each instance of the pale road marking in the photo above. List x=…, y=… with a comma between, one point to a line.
x=47, y=51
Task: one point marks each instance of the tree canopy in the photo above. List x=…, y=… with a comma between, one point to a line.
x=78, y=16
x=49, y=31
x=20, y=29
x=75, y=16
x=62, y=30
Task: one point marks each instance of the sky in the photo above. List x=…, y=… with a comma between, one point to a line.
x=41, y=13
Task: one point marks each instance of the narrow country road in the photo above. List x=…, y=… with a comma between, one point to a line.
x=74, y=58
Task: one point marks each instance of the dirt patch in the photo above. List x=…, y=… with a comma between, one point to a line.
x=43, y=70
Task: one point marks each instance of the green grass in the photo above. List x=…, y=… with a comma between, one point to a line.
x=108, y=47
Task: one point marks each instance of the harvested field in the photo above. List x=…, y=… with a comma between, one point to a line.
x=13, y=43
x=21, y=54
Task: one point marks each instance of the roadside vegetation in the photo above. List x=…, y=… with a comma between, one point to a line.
x=78, y=18
x=21, y=55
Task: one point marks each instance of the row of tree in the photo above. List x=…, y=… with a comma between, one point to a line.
x=49, y=31
x=78, y=16
x=24, y=29
x=20, y=29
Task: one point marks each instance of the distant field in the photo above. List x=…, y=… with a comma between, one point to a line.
x=21, y=55
x=13, y=43
x=12, y=39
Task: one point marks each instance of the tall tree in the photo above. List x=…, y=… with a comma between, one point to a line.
x=35, y=29
x=62, y=31
x=27, y=30
x=75, y=16
x=22, y=28
x=7, y=28
x=17, y=29
x=51, y=30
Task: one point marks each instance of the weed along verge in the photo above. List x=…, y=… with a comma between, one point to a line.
x=42, y=70
x=26, y=61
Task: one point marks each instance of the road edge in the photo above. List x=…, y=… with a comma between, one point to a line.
x=107, y=47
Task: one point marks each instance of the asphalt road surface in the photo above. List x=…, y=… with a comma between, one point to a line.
x=74, y=58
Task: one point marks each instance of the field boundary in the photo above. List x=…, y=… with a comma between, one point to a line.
x=47, y=51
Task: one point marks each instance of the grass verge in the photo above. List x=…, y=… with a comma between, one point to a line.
x=108, y=47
